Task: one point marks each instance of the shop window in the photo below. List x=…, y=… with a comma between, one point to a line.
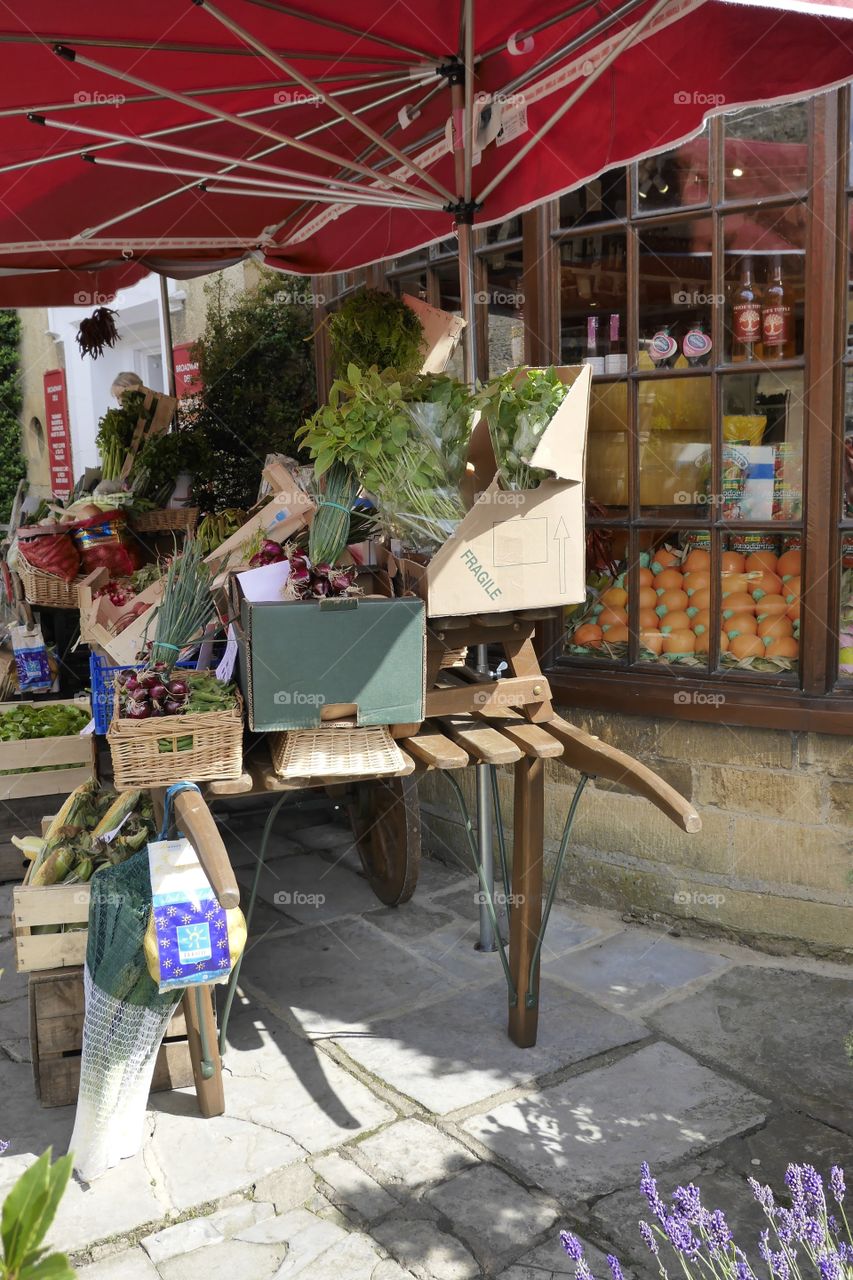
x=605, y=199
x=501, y=299
x=593, y=301
x=766, y=151
x=674, y=179
x=696, y=481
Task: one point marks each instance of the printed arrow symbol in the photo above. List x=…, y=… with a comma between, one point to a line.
x=561, y=534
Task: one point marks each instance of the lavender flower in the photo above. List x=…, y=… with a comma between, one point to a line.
x=572, y=1246
x=649, y=1188
x=648, y=1238
x=688, y=1202
x=813, y=1232
x=582, y=1271
x=763, y=1195
x=680, y=1236
x=615, y=1268
x=836, y=1183
x=780, y=1267
x=743, y=1271
x=829, y=1265
x=813, y=1186
x=4, y=1146
x=720, y=1237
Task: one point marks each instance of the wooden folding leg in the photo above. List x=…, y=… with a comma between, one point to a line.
x=526, y=913
x=209, y=1088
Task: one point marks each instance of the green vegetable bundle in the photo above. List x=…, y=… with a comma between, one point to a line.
x=187, y=605
x=518, y=411
x=329, y=530
x=406, y=439
x=115, y=433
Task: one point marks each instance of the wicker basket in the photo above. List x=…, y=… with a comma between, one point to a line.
x=45, y=589
x=213, y=753
x=170, y=519
x=335, y=752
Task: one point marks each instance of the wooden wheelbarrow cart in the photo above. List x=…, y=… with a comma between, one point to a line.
x=472, y=719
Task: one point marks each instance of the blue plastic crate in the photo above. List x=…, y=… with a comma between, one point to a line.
x=103, y=688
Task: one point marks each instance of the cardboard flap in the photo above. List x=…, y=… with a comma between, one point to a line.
x=441, y=333
x=562, y=448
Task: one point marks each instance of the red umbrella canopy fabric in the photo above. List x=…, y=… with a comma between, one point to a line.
x=181, y=136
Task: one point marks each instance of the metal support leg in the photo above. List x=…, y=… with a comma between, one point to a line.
x=256, y=879
x=487, y=889
x=530, y=994
x=484, y=830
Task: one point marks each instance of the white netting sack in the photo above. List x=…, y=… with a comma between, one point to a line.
x=120, y=1046
x=124, y=1023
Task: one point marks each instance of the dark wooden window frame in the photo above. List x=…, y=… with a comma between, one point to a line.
x=817, y=702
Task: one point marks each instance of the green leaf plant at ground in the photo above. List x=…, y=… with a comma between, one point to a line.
x=28, y=1211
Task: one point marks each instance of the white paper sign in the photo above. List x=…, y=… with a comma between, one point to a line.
x=265, y=583
x=87, y=728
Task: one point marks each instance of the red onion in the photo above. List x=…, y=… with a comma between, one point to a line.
x=139, y=710
x=173, y=706
x=130, y=682
x=178, y=687
x=158, y=692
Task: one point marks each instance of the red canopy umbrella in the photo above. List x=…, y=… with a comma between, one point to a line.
x=182, y=138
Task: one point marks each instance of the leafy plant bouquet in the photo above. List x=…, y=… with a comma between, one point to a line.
x=406, y=440
x=518, y=411
x=808, y=1238
x=374, y=328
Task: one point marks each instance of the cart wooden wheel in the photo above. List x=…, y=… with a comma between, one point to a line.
x=386, y=823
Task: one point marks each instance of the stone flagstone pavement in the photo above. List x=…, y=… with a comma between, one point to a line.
x=380, y=1125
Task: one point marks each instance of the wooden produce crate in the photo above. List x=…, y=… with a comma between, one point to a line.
x=39, y=752
x=56, y=1039
x=37, y=905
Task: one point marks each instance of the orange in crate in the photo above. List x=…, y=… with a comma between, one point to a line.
x=784, y=647
x=697, y=559
x=696, y=580
x=789, y=564
x=771, y=607
x=652, y=640
x=778, y=628
x=740, y=624
x=738, y=602
x=679, y=642
x=761, y=562
x=703, y=642
x=668, y=578
x=733, y=562
x=589, y=634
x=675, y=621
x=746, y=647
x=610, y=615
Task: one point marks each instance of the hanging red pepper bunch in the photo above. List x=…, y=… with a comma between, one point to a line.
x=96, y=332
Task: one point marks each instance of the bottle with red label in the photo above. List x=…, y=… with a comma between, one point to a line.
x=697, y=344
x=776, y=318
x=616, y=359
x=593, y=358
x=746, y=316
x=663, y=348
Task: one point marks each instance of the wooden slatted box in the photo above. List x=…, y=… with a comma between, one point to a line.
x=46, y=754
x=56, y=1039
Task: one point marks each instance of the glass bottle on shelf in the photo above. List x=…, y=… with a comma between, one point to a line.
x=776, y=319
x=616, y=360
x=697, y=344
x=746, y=316
x=593, y=359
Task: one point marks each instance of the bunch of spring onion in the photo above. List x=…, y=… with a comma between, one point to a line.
x=186, y=608
x=329, y=531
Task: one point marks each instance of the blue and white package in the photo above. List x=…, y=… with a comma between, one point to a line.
x=191, y=928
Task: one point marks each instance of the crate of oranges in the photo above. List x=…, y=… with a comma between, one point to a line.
x=759, y=610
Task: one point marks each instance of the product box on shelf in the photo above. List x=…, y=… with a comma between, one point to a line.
x=306, y=662
x=515, y=549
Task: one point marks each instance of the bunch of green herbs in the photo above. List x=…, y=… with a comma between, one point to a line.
x=517, y=410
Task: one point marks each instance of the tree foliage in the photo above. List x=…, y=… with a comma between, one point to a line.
x=13, y=466
x=257, y=369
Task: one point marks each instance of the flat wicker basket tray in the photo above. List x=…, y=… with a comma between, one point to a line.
x=202, y=747
x=335, y=752
x=45, y=589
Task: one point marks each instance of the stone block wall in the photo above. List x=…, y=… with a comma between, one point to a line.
x=772, y=865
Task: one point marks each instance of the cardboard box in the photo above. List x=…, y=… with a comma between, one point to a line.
x=279, y=519
x=441, y=333
x=516, y=549
x=99, y=616
x=305, y=662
